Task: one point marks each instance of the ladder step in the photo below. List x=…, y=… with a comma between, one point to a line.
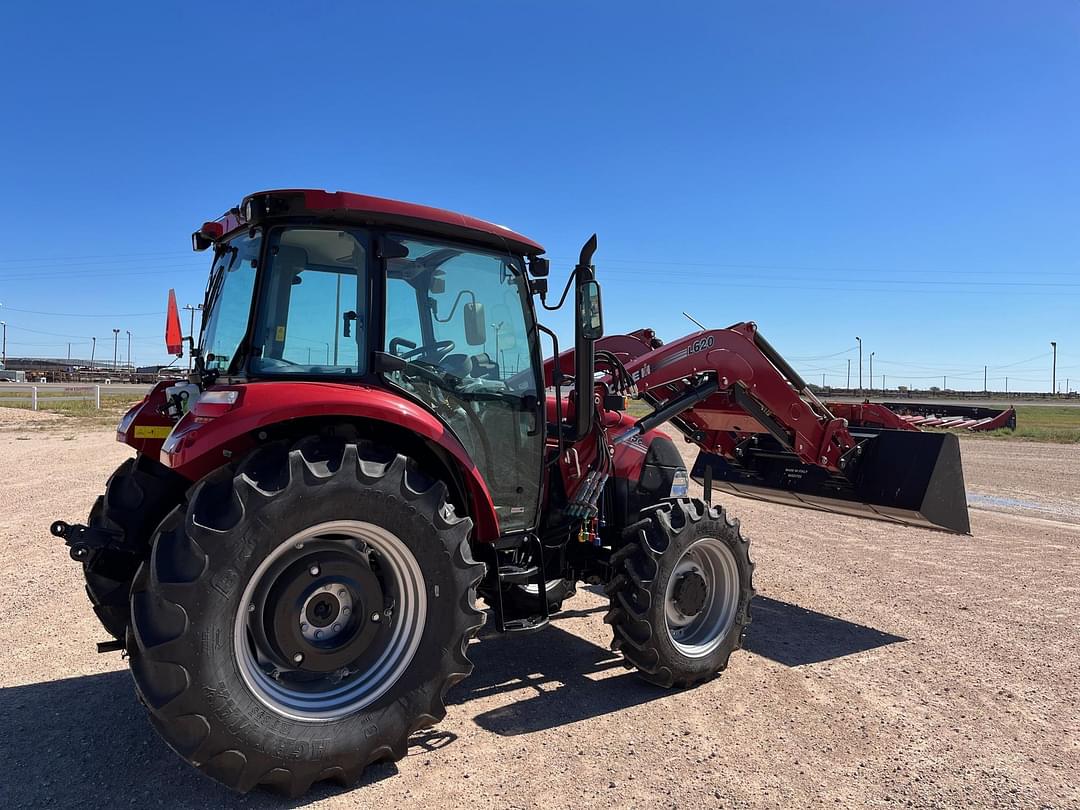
x=529, y=625
x=517, y=575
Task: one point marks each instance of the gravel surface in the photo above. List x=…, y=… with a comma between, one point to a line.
x=885, y=667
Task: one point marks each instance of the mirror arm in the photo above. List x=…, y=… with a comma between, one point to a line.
x=562, y=298
x=453, y=309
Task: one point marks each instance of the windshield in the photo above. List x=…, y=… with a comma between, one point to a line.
x=228, y=300
x=313, y=310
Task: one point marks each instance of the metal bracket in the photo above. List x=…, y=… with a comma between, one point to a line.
x=82, y=540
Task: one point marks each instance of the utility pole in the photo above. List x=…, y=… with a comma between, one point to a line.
x=822, y=380
x=93, y=348
x=871, y=372
x=848, y=386
x=985, y=389
x=1006, y=385
x=860, y=362
x=191, y=329
x=3, y=351
x=115, y=337
x=944, y=383
x=883, y=385
x=129, y=350
x=1053, y=371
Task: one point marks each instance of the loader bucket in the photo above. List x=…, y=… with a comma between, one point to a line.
x=902, y=476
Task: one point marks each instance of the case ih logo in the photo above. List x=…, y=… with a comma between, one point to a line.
x=644, y=371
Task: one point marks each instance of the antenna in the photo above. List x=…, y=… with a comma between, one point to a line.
x=695, y=321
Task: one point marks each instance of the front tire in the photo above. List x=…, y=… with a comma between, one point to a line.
x=303, y=614
x=138, y=495
x=680, y=593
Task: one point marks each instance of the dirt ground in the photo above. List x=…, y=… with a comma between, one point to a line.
x=885, y=667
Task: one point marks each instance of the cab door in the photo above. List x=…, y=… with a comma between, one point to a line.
x=460, y=318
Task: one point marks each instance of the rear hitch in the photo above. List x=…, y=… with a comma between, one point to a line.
x=82, y=540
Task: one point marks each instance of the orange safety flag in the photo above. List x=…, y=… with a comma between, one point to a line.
x=174, y=341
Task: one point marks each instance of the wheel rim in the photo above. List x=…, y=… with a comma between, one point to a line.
x=330, y=620
x=702, y=598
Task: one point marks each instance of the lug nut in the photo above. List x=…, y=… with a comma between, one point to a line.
x=298, y=658
x=376, y=616
x=345, y=611
x=342, y=593
x=318, y=634
x=303, y=626
x=337, y=627
x=314, y=570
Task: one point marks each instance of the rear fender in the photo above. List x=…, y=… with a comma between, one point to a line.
x=204, y=440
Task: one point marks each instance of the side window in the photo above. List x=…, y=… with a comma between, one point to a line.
x=313, y=313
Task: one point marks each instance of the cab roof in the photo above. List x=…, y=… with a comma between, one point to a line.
x=365, y=209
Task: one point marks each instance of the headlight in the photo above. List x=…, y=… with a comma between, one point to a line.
x=680, y=484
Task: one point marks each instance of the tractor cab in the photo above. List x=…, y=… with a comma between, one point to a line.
x=443, y=319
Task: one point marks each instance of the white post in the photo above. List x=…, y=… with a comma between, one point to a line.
x=33, y=397
x=97, y=397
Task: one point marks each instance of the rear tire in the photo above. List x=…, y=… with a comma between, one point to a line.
x=214, y=621
x=138, y=496
x=680, y=594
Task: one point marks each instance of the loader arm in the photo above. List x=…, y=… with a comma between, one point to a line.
x=764, y=434
x=753, y=396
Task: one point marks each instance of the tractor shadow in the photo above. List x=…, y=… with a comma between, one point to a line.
x=86, y=741
x=794, y=636
x=567, y=674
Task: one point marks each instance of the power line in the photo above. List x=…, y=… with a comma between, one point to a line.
x=84, y=314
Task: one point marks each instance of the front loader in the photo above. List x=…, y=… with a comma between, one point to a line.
x=371, y=441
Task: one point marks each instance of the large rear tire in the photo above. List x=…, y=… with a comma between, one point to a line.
x=680, y=593
x=303, y=614
x=138, y=496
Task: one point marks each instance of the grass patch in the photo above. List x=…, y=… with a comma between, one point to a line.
x=1044, y=423
x=112, y=408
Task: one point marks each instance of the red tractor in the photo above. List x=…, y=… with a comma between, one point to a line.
x=371, y=440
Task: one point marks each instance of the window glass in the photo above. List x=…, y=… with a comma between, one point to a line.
x=460, y=319
x=228, y=301
x=313, y=313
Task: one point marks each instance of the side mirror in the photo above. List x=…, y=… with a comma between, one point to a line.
x=539, y=267
x=475, y=328
x=438, y=283
x=590, y=317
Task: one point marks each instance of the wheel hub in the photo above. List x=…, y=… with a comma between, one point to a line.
x=702, y=597
x=311, y=612
x=327, y=612
x=332, y=618
x=690, y=594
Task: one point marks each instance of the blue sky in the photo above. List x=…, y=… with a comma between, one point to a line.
x=907, y=171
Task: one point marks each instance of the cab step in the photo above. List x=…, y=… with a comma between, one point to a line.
x=529, y=625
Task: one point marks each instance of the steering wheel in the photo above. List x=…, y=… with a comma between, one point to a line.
x=432, y=354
